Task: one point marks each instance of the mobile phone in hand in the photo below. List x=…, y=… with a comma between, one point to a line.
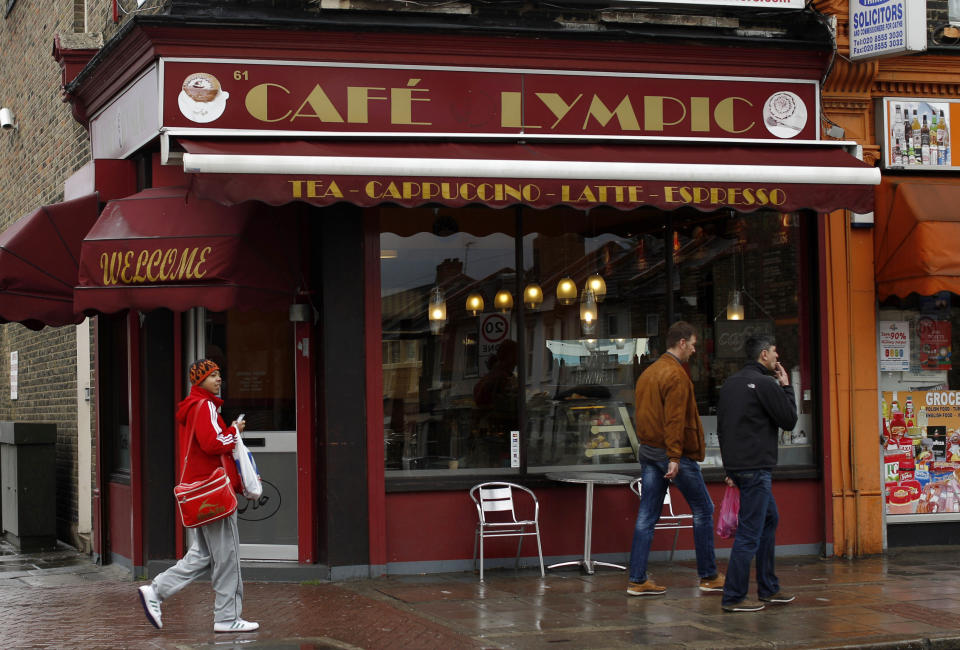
x=241, y=416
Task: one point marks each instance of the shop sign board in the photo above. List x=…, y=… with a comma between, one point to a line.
x=887, y=27
x=917, y=133
x=921, y=452
x=894, y=346
x=335, y=98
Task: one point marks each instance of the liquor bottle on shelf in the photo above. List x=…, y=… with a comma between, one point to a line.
x=897, y=157
x=897, y=126
x=925, y=142
x=907, y=141
x=915, y=131
x=944, y=137
x=934, y=140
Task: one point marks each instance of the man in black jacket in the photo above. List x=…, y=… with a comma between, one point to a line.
x=753, y=407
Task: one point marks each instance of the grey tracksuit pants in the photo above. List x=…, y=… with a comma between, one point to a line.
x=217, y=546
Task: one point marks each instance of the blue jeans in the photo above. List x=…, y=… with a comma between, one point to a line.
x=689, y=480
x=756, y=534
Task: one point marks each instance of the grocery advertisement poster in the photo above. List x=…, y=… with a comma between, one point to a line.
x=921, y=451
x=934, y=341
x=894, y=345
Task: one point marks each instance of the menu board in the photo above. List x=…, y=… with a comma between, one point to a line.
x=921, y=452
x=917, y=133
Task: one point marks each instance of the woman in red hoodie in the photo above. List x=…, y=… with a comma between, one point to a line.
x=215, y=545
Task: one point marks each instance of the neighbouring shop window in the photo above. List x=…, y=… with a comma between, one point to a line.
x=254, y=350
x=920, y=406
x=453, y=407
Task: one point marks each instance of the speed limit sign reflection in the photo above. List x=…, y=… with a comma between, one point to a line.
x=494, y=330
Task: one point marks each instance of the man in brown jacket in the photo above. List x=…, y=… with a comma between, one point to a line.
x=671, y=446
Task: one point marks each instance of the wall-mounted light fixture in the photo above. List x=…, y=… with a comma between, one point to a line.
x=437, y=310
x=533, y=296
x=475, y=303
x=7, y=120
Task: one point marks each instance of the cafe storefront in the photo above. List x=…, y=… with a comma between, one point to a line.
x=424, y=270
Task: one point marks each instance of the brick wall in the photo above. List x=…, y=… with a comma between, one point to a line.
x=35, y=160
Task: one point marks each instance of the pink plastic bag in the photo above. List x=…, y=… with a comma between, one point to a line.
x=729, y=513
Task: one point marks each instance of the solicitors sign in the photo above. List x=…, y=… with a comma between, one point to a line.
x=886, y=27
x=326, y=98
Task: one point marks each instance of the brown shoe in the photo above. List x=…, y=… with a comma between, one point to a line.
x=648, y=588
x=744, y=606
x=712, y=584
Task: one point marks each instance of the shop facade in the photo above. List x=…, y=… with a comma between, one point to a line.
x=422, y=268
x=906, y=366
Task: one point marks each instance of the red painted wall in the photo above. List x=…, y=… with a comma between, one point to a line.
x=433, y=526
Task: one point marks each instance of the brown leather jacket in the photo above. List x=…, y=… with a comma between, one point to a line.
x=666, y=410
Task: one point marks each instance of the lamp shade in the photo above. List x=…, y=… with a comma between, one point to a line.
x=437, y=310
x=598, y=286
x=588, y=311
x=475, y=303
x=566, y=291
x=735, y=306
x=503, y=300
x=533, y=296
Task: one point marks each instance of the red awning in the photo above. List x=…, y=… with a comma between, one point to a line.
x=626, y=176
x=39, y=256
x=917, y=230
x=159, y=249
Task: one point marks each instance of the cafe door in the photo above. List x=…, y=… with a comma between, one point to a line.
x=255, y=352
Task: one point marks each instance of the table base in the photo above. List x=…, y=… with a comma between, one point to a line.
x=587, y=565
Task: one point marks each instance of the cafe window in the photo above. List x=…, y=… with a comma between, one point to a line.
x=593, y=300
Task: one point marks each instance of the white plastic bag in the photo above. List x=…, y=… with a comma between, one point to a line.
x=247, y=469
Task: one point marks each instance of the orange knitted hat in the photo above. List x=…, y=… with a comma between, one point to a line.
x=201, y=369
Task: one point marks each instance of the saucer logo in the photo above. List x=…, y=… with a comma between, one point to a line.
x=784, y=114
x=202, y=100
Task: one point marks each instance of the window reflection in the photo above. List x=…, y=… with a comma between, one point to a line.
x=453, y=393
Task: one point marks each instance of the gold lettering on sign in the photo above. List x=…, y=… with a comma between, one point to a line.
x=624, y=112
x=315, y=189
x=401, y=103
x=323, y=108
x=732, y=196
x=723, y=115
x=153, y=266
x=653, y=112
x=557, y=105
x=358, y=100
x=256, y=102
x=511, y=111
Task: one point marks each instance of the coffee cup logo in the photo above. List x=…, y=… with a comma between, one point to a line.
x=202, y=99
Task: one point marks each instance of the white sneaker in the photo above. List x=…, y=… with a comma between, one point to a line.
x=151, y=605
x=238, y=625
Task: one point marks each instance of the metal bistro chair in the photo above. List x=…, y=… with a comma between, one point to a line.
x=668, y=520
x=498, y=498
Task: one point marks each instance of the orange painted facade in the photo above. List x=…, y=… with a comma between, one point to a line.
x=851, y=411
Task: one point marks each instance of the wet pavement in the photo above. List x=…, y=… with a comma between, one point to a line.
x=908, y=598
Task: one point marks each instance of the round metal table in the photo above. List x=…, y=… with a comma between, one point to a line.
x=589, y=479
